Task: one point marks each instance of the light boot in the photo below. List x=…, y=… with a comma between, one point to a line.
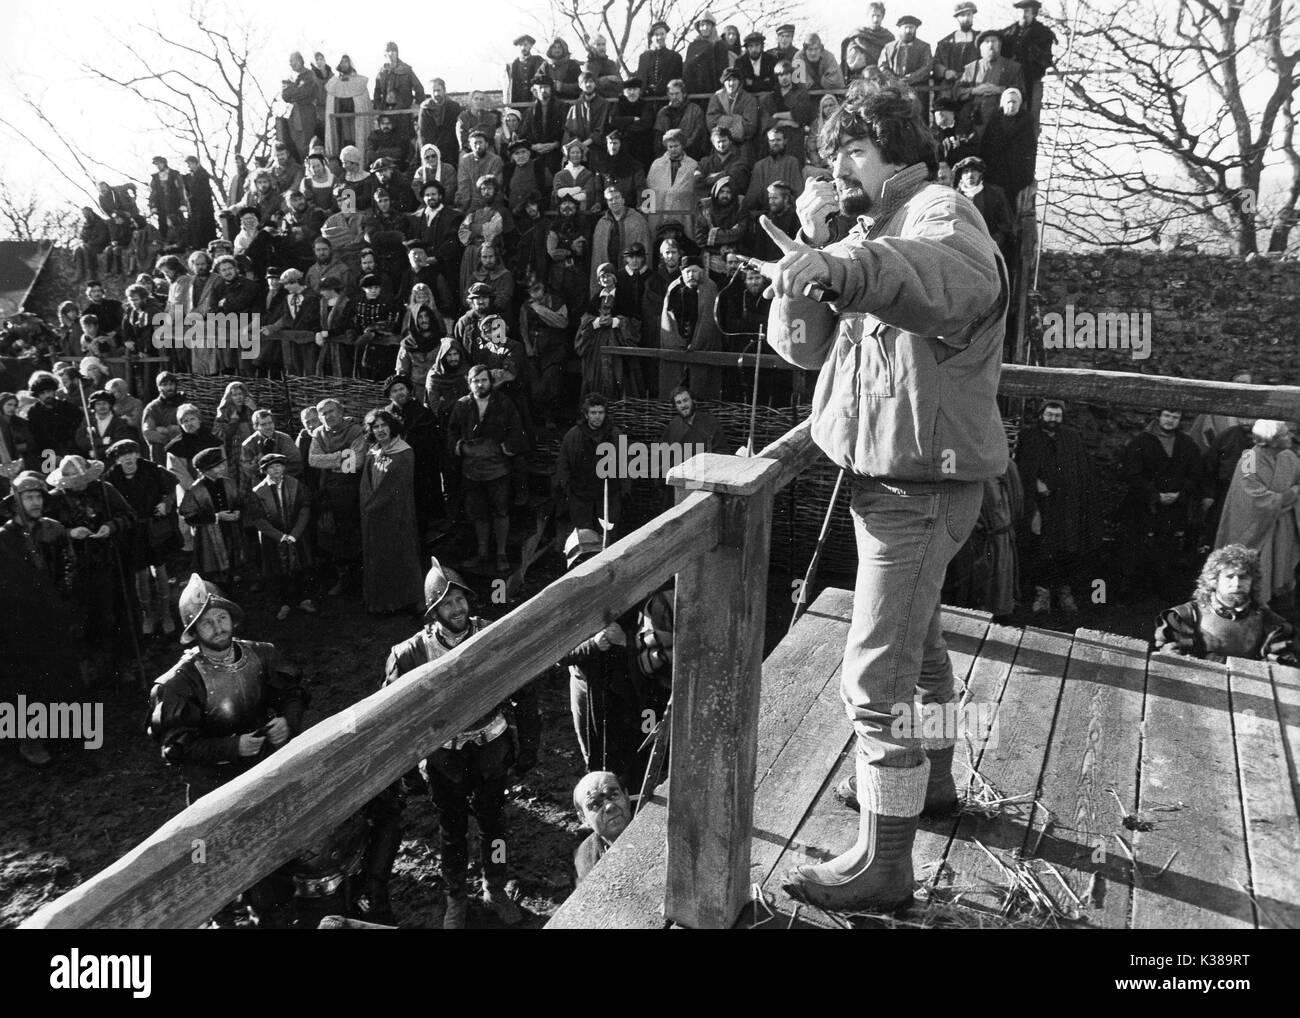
x=940, y=789
x=1065, y=598
x=1042, y=600
x=876, y=873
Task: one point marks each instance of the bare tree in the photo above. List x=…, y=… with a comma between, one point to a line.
x=81, y=169
x=205, y=95
x=624, y=23
x=29, y=216
x=1171, y=118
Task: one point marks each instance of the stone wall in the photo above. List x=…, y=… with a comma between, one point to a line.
x=1210, y=317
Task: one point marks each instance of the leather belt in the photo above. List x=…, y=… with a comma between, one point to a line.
x=479, y=736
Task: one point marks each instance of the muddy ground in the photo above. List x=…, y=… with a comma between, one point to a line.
x=63, y=824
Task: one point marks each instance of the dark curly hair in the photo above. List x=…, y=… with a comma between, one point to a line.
x=380, y=413
x=886, y=113
x=1235, y=556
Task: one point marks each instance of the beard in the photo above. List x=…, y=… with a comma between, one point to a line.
x=452, y=626
x=1052, y=426
x=219, y=644
x=854, y=200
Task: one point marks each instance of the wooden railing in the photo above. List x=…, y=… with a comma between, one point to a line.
x=1087, y=385
x=715, y=542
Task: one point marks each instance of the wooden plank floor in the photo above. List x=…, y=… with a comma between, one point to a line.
x=1163, y=791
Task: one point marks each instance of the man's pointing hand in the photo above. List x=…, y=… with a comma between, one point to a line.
x=800, y=265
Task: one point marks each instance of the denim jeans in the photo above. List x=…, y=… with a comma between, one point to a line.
x=907, y=532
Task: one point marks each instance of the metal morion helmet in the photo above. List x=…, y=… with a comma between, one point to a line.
x=437, y=582
x=199, y=597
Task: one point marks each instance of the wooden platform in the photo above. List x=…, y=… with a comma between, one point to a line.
x=1202, y=758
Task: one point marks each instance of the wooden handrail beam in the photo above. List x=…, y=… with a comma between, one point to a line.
x=1128, y=388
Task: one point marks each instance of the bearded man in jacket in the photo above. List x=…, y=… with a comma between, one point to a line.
x=909, y=351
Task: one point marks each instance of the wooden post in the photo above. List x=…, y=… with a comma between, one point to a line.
x=718, y=627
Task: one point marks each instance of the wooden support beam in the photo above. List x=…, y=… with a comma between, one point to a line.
x=721, y=607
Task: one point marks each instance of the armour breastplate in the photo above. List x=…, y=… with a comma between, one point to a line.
x=1232, y=637
x=234, y=693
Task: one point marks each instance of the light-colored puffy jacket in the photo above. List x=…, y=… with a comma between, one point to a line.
x=910, y=364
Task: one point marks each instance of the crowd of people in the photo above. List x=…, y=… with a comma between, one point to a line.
x=482, y=254
x=591, y=206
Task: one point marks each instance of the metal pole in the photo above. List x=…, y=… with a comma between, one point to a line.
x=811, y=574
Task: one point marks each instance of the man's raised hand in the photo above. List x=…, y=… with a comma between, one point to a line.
x=815, y=207
x=800, y=264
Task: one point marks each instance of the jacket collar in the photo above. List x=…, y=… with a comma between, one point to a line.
x=896, y=193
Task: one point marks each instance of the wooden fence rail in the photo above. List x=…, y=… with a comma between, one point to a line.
x=1087, y=385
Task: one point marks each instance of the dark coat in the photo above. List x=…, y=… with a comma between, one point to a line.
x=764, y=80
x=35, y=572
x=149, y=486
x=398, y=88
x=544, y=123
x=1146, y=471
x=996, y=212
x=291, y=516
x=499, y=426
x=1031, y=47
x=390, y=540
x=636, y=121
x=520, y=74
x=169, y=197
x=658, y=67
x=437, y=126
x=95, y=446
x=580, y=454
x=705, y=61
x=1071, y=521
x=1009, y=148
x=54, y=427
x=440, y=236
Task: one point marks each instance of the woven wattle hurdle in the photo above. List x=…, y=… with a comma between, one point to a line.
x=798, y=510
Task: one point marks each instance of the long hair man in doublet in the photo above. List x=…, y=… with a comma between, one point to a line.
x=908, y=349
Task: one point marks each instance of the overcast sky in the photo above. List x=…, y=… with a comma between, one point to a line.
x=44, y=44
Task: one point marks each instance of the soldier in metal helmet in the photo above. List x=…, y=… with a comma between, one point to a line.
x=469, y=772
x=224, y=706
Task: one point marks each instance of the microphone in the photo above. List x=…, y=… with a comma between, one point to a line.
x=824, y=178
x=821, y=294
x=815, y=291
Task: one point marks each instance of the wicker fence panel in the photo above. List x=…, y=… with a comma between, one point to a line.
x=798, y=512
x=205, y=392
